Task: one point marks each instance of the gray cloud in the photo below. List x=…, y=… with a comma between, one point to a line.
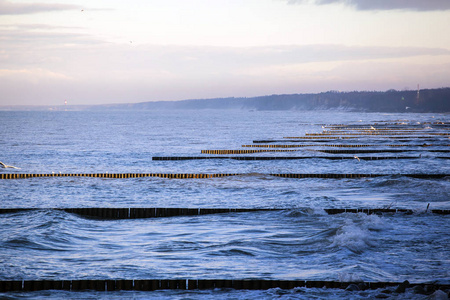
x=10, y=8
x=417, y=5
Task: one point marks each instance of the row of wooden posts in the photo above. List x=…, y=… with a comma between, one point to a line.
x=214, y=175
x=193, y=284
x=109, y=213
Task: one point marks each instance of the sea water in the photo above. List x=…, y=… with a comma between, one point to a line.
x=300, y=242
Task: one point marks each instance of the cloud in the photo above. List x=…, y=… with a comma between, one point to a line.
x=35, y=26
x=10, y=8
x=416, y=5
x=37, y=36
x=79, y=54
x=44, y=64
x=32, y=74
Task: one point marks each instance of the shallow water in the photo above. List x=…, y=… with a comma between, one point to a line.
x=299, y=242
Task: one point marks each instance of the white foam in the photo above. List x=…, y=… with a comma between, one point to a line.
x=349, y=277
x=353, y=238
x=374, y=222
x=357, y=234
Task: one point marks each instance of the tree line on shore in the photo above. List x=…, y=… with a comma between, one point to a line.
x=423, y=101
x=427, y=100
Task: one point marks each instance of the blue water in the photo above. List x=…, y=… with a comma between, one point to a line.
x=301, y=242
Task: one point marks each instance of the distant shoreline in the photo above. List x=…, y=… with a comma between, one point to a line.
x=427, y=100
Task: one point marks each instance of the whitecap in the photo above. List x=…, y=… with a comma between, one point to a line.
x=353, y=238
x=357, y=234
x=349, y=277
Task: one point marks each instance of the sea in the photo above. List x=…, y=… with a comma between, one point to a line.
x=300, y=241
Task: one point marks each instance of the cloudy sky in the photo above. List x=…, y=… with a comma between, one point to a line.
x=114, y=51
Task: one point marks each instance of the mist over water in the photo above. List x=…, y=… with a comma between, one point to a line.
x=301, y=242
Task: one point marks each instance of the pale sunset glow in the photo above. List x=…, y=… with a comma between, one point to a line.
x=97, y=52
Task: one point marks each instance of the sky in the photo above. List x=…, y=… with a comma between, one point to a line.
x=111, y=51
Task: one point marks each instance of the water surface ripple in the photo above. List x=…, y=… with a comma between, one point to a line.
x=300, y=242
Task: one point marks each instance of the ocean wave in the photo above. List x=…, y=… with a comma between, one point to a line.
x=357, y=234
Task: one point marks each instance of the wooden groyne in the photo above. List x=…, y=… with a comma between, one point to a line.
x=282, y=157
x=109, y=213
x=197, y=284
x=116, y=175
x=330, y=151
x=215, y=175
x=339, y=145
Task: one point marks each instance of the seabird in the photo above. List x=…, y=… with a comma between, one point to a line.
x=356, y=157
x=6, y=166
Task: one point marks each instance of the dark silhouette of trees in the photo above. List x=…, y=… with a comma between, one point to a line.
x=429, y=100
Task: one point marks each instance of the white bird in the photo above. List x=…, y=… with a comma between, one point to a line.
x=6, y=166
x=356, y=157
